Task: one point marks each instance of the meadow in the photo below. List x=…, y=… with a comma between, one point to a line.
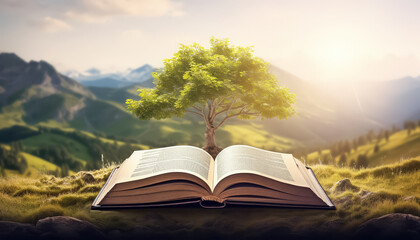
x=28, y=199
x=400, y=146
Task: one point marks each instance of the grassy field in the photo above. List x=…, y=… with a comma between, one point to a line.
x=77, y=149
x=26, y=199
x=400, y=146
x=36, y=167
x=255, y=135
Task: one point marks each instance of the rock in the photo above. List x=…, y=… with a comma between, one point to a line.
x=410, y=198
x=366, y=195
x=344, y=185
x=343, y=201
x=390, y=226
x=14, y=230
x=62, y=227
x=88, y=178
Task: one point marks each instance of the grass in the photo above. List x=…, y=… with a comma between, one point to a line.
x=255, y=135
x=37, y=167
x=26, y=199
x=400, y=146
x=38, y=164
x=51, y=139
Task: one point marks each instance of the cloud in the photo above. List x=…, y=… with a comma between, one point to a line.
x=96, y=10
x=52, y=25
x=101, y=11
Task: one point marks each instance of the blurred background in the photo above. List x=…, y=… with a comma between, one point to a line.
x=67, y=67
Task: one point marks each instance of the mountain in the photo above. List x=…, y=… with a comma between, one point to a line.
x=140, y=74
x=94, y=78
x=35, y=79
x=38, y=90
x=106, y=82
x=119, y=95
x=319, y=116
x=390, y=101
x=35, y=93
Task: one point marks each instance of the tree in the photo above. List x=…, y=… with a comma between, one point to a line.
x=216, y=84
x=327, y=159
x=387, y=135
x=343, y=160
x=347, y=146
x=394, y=129
x=409, y=126
x=370, y=135
x=362, y=161
x=362, y=140
x=2, y=171
x=352, y=163
x=376, y=148
x=64, y=170
x=355, y=144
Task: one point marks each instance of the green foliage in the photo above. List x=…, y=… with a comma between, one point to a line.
x=343, y=160
x=11, y=158
x=16, y=133
x=376, y=149
x=223, y=80
x=394, y=148
x=362, y=161
x=60, y=156
x=410, y=126
x=73, y=148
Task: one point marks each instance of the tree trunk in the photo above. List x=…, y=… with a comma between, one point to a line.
x=210, y=137
x=211, y=146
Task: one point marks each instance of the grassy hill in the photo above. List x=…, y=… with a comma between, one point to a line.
x=398, y=147
x=35, y=166
x=72, y=148
x=25, y=199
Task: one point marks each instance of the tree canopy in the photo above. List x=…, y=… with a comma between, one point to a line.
x=215, y=83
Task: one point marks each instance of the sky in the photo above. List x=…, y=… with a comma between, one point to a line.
x=318, y=41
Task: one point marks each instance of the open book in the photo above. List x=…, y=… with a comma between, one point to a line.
x=240, y=175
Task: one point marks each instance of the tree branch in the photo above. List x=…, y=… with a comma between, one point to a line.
x=203, y=111
x=241, y=112
x=196, y=108
x=199, y=114
x=227, y=109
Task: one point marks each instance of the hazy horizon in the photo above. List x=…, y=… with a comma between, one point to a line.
x=322, y=41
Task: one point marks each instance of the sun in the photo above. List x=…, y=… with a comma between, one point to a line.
x=337, y=55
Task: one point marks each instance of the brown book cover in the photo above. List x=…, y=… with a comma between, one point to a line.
x=186, y=175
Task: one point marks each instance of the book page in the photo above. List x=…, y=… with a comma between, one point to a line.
x=148, y=163
x=313, y=182
x=246, y=159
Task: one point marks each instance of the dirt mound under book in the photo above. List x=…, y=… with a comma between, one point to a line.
x=240, y=175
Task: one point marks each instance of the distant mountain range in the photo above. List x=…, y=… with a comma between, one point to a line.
x=93, y=77
x=34, y=93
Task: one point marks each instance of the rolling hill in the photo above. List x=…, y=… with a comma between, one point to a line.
x=398, y=147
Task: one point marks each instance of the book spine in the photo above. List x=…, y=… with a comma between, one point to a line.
x=94, y=204
x=212, y=201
